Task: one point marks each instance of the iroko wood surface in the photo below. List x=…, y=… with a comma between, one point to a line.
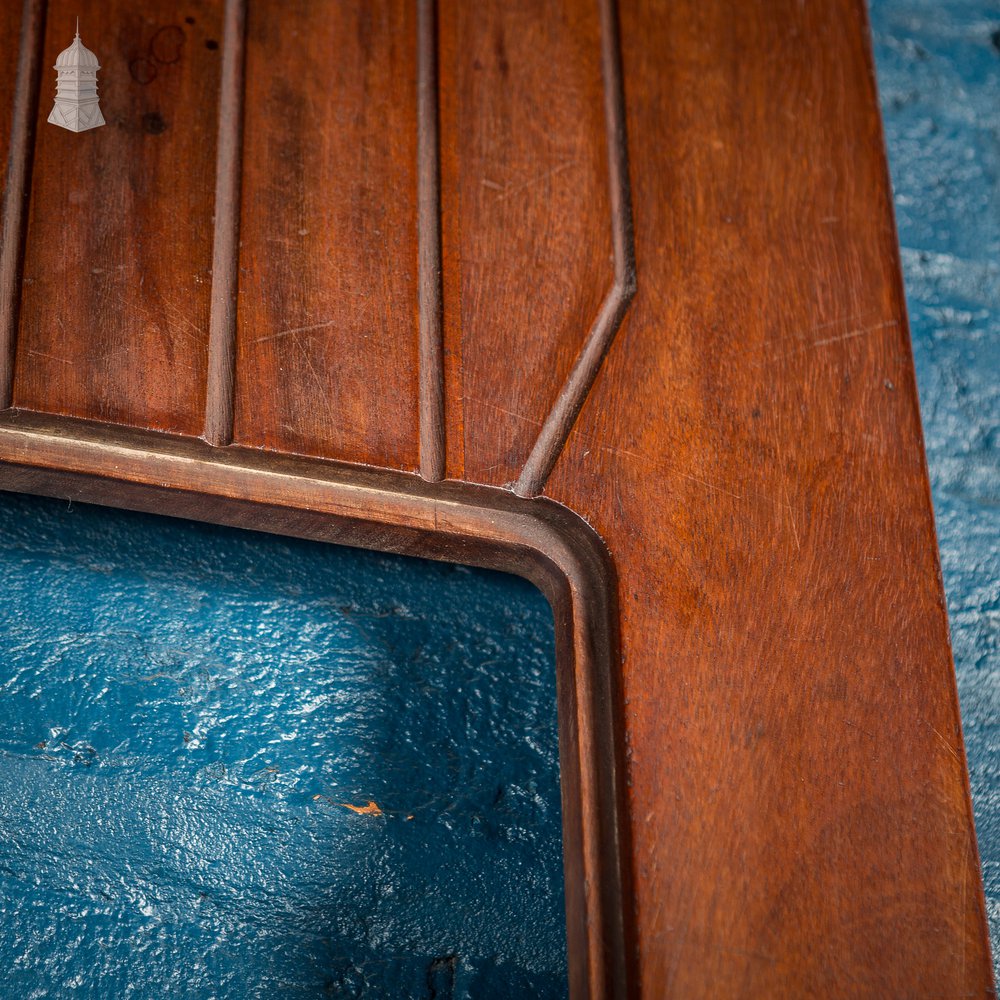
x=130, y=211
x=10, y=24
x=327, y=270
x=765, y=785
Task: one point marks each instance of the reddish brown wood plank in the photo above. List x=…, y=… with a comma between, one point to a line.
x=327, y=341
x=117, y=270
x=752, y=455
x=16, y=149
x=10, y=41
x=527, y=237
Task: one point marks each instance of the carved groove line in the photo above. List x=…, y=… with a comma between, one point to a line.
x=561, y=418
x=432, y=419
x=225, y=252
x=17, y=191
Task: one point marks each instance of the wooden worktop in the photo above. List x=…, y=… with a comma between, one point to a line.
x=639, y=260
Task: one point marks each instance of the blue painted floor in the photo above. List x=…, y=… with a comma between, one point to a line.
x=939, y=74
x=240, y=766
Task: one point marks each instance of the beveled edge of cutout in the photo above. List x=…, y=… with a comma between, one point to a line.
x=396, y=512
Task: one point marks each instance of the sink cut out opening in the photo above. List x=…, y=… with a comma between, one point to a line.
x=239, y=756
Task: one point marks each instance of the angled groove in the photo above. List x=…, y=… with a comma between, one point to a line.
x=226, y=248
x=561, y=418
x=17, y=191
x=432, y=425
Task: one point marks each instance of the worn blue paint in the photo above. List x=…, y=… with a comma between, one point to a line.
x=939, y=73
x=184, y=708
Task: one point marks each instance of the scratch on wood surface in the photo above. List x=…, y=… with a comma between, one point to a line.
x=501, y=409
x=946, y=744
x=176, y=314
x=784, y=489
x=863, y=331
x=185, y=333
x=791, y=518
x=297, y=329
x=196, y=338
x=847, y=722
x=800, y=343
x=321, y=387
x=665, y=467
x=708, y=485
x=51, y=357
x=505, y=192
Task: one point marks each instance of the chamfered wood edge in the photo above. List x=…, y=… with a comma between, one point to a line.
x=17, y=188
x=387, y=511
x=896, y=272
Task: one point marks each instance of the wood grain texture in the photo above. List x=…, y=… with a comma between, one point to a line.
x=573, y=394
x=10, y=37
x=782, y=702
x=528, y=251
x=24, y=34
x=114, y=317
x=328, y=283
x=752, y=455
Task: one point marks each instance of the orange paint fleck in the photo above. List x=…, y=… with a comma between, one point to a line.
x=369, y=810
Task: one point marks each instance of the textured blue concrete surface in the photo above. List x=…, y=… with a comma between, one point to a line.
x=188, y=711
x=939, y=73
